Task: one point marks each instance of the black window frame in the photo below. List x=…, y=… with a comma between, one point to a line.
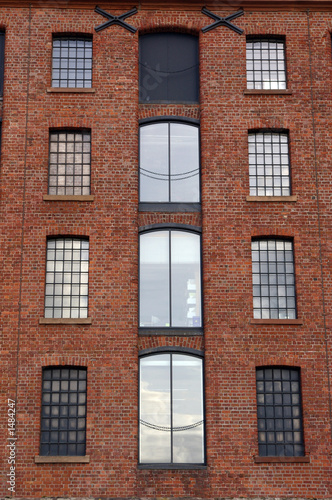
x=171, y=330
x=264, y=281
x=65, y=165
x=258, y=84
x=86, y=81
x=152, y=79
x=279, y=411
x=49, y=283
x=194, y=353
x=255, y=190
x=59, y=415
x=170, y=206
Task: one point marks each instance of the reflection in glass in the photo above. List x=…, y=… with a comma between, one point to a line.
x=170, y=283
x=169, y=163
x=171, y=409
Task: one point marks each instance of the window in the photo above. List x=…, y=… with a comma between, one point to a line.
x=63, y=415
x=2, y=61
x=273, y=279
x=279, y=413
x=69, y=162
x=72, y=62
x=171, y=428
x=269, y=172
x=266, y=66
x=168, y=67
x=169, y=162
x=67, y=268
x=170, y=279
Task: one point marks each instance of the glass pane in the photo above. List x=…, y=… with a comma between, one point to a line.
x=187, y=400
x=154, y=163
x=155, y=409
x=186, y=282
x=184, y=157
x=154, y=279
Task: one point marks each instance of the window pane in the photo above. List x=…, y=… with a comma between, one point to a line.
x=155, y=409
x=185, y=278
x=154, y=163
x=187, y=398
x=154, y=279
x=184, y=159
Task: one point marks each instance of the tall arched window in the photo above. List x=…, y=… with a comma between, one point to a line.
x=169, y=162
x=170, y=279
x=171, y=427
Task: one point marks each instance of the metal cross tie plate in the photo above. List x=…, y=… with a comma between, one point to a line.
x=119, y=20
x=222, y=21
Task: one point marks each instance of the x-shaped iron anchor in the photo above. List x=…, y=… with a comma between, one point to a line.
x=222, y=21
x=119, y=20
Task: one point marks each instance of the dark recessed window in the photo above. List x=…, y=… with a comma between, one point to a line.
x=168, y=67
x=72, y=62
x=266, y=65
x=170, y=279
x=269, y=170
x=63, y=415
x=2, y=61
x=171, y=429
x=273, y=279
x=69, y=162
x=67, y=274
x=279, y=413
x=169, y=162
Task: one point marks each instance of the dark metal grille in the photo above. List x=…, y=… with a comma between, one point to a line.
x=69, y=163
x=279, y=414
x=266, y=67
x=67, y=272
x=72, y=62
x=273, y=279
x=269, y=164
x=63, y=418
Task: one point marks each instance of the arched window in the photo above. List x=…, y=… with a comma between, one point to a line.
x=169, y=162
x=170, y=279
x=168, y=67
x=171, y=426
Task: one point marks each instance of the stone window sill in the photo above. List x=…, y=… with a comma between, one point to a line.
x=276, y=321
x=171, y=466
x=268, y=92
x=65, y=321
x=69, y=90
x=278, y=460
x=272, y=198
x=61, y=460
x=71, y=197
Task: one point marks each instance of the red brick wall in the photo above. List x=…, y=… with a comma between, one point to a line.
x=109, y=347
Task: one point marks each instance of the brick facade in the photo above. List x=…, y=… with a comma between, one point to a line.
x=232, y=342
